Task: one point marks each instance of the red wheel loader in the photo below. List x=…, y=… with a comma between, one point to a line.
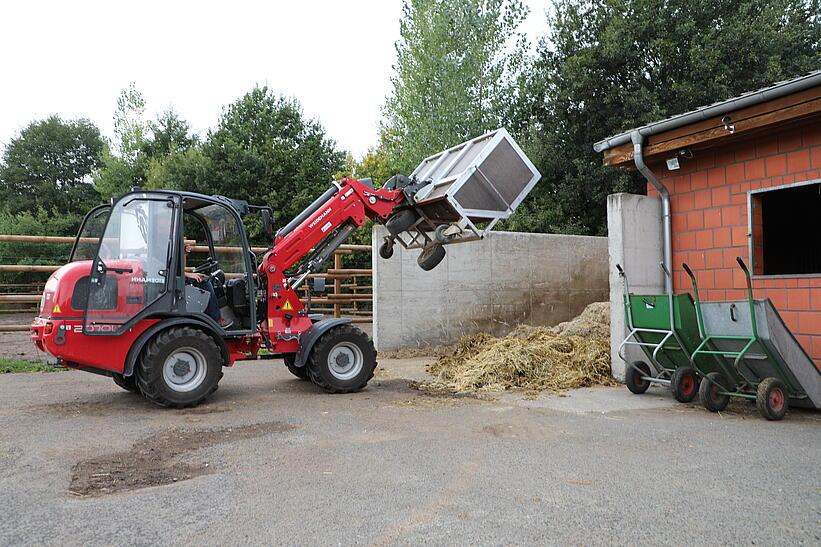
x=127, y=305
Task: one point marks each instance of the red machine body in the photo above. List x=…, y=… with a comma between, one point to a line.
x=109, y=344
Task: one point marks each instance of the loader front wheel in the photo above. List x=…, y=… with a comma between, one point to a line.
x=128, y=383
x=299, y=372
x=180, y=367
x=342, y=360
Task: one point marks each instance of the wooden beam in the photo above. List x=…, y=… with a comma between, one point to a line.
x=15, y=328
x=712, y=132
x=20, y=297
x=27, y=268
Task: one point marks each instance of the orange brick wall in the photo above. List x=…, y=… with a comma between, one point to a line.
x=709, y=216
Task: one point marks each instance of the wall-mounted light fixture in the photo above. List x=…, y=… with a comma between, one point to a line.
x=728, y=124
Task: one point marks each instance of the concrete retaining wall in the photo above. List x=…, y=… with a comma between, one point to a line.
x=635, y=241
x=491, y=285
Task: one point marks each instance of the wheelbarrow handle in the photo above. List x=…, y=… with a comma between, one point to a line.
x=743, y=265
x=620, y=269
x=687, y=269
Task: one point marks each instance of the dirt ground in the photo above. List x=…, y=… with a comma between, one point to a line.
x=17, y=345
x=270, y=459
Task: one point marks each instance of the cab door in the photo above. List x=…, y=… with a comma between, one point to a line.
x=136, y=265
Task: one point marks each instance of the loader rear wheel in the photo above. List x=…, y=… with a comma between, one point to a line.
x=180, y=367
x=299, y=372
x=709, y=392
x=633, y=377
x=128, y=383
x=684, y=384
x=342, y=360
x=771, y=399
x=431, y=256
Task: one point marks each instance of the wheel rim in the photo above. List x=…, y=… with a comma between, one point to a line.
x=345, y=360
x=776, y=399
x=184, y=370
x=688, y=384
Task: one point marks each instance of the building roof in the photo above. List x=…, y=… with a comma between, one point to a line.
x=768, y=93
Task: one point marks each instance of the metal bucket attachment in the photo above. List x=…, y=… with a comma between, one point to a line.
x=733, y=319
x=459, y=195
x=480, y=181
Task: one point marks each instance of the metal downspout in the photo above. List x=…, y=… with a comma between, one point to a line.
x=638, y=159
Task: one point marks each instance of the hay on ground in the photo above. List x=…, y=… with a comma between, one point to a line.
x=530, y=358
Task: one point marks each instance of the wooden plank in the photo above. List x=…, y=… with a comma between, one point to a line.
x=349, y=271
x=20, y=298
x=716, y=134
x=27, y=268
x=15, y=328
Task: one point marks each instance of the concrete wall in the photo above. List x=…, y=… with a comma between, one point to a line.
x=491, y=285
x=635, y=241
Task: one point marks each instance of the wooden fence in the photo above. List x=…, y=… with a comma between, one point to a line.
x=348, y=290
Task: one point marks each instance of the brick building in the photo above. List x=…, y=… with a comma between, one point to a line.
x=744, y=179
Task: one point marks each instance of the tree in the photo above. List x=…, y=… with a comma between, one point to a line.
x=141, y=148
x=265, y=151
x=49, y=166
x=457, y=61
x=609, y=65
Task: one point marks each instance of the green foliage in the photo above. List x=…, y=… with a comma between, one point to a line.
x=49, y=166
x=39, y=222
x=20, y=365
x=609, y=65
x=141, y=148
x=265, y=151
x=457, y=61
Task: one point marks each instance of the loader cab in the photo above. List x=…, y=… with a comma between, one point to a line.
x=142, y=246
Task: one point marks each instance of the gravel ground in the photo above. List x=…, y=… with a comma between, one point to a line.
x=270, y=460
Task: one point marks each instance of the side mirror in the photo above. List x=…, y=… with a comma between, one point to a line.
x=267, y=223
x=318, y=285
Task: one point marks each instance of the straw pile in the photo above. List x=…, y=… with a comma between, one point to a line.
x=570, y=355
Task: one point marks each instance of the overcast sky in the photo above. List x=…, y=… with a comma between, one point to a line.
x=72, y=58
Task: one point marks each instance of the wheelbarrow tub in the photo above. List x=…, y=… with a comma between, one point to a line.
x=652, y=311
x=732, y=318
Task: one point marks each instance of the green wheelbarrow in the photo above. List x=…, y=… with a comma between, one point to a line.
x=759, y=358
x=665, y=328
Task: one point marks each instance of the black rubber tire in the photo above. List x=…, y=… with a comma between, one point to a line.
x=632, y=377
x=128, y=383
x=299, y=372
x=708, y=392
x=386, y=249
x=431, y=256
x=401, y=221
x=318, y=361
x=772, y=399
x=149, y=371
x=684, y=384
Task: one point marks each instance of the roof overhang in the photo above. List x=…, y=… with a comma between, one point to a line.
x=793, y=102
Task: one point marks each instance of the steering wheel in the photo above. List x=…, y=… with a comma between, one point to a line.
x=207, y=267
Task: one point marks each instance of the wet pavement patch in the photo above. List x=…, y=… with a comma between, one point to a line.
x=152, y=460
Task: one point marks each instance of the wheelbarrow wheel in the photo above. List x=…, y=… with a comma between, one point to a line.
x=684, y=384
x=709, y=392
x=771, y=399
x=633, y=377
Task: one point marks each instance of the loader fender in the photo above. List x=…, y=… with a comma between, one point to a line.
x=139, y=343
x=307, y=341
